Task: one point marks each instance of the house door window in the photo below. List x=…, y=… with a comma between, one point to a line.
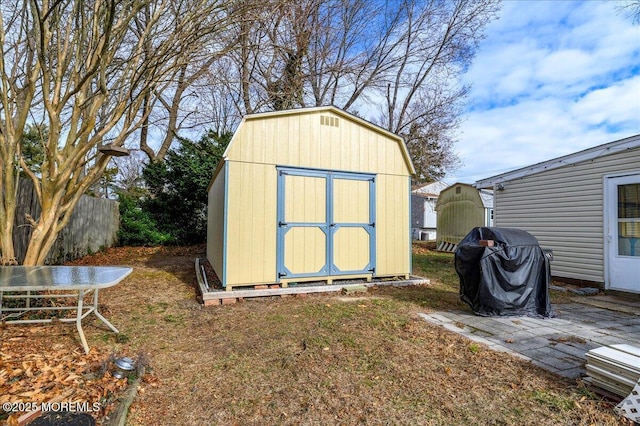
x=629, y=220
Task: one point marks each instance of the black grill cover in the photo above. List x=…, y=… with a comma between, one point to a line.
x=510, y=278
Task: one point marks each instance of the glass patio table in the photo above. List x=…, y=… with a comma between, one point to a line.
x=21, y=286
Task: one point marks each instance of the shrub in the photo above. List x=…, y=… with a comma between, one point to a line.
x=178, y=187
x=137, y=226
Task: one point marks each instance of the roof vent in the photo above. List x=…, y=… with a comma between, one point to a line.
x=325, y=120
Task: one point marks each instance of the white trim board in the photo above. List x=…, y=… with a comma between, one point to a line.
x=632, y=142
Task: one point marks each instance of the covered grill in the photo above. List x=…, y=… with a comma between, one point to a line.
x=503, y=271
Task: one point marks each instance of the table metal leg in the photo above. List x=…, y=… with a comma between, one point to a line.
x=99, y=315
x=79, y=321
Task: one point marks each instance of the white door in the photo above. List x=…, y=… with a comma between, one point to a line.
x=622, y=222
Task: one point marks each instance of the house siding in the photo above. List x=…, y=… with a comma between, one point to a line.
x=418, y=211
x=563, y=208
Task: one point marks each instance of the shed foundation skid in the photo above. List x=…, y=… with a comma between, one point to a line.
x=210, y=296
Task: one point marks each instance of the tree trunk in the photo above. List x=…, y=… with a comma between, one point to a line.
x=6, y=239
x=43, y=235
x=7, y=216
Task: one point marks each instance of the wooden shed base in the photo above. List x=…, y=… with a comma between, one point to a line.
x=208, y=296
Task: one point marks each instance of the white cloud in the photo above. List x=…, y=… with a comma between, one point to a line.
x=622, y=101
x=565, y=66
x=552, y=77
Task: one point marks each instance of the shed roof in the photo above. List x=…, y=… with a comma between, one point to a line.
x=450, y=193
x=334, y=110
x=632, y=142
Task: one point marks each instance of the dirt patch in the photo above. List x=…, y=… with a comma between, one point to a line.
x=311, y=360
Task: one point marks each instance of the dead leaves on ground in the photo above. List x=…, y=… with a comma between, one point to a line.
x=54, y=373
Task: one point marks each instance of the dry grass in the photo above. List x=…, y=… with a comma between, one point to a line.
x=319, y=359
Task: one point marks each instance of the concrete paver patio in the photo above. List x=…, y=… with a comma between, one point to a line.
x=558, y=344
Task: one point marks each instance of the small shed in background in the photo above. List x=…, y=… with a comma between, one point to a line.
x=313, y=194
x=423, y=210
x=460, y=208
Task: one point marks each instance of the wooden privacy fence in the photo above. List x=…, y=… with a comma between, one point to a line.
x=93, y=226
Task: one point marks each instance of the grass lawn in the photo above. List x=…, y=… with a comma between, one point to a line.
x=316, y=360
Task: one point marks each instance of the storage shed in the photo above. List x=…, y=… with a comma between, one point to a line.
x=460, y=208
x=313, y=194
x=585, y=206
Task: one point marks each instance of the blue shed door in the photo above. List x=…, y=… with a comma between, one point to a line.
x=326, y=223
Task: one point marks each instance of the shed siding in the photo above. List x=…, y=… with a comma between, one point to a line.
x=251, y=228
x=348, y=147
x=251, y=252
x=392, y=226
x=458, y=213
x=563, y=209
x=215, y=228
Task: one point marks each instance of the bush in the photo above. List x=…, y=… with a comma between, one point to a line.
x=178, y=187
x=137, y=226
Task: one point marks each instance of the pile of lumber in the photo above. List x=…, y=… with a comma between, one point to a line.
x=614, y=368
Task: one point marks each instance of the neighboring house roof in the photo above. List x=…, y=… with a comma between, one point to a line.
x=430, y=190
x=632, y=142
x=487, y=198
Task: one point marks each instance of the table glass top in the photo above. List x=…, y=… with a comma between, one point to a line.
x=60, y=277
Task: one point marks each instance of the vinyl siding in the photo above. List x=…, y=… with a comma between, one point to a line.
x=563, y=209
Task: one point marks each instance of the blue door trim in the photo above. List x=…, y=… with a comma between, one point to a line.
x=329, y=227
x=225, y=226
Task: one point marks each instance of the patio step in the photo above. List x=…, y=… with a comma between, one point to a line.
x=615, y=368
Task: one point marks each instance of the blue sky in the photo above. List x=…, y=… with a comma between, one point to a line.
x=552, y=77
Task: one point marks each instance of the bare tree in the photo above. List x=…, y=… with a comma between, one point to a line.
x=423, y=97
x=631, y=8
x=168, y=107
x=218, y=98
x=129, y=177
x=82, y=69
x=394, y=62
